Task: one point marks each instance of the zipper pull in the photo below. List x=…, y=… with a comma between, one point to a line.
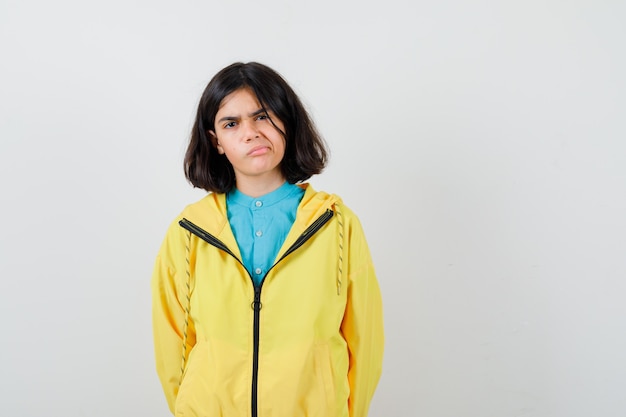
x=256, y=304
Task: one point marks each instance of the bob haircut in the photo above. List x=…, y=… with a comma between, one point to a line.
x=305, y=150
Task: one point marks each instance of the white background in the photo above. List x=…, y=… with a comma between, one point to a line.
x=482, y=144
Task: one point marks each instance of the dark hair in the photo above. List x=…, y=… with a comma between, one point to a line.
x=305, y=150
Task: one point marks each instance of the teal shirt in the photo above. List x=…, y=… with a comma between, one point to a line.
x=261, y=225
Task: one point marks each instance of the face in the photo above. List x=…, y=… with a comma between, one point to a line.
x=244, y=133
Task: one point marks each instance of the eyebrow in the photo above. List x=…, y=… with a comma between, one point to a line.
x=255, y=113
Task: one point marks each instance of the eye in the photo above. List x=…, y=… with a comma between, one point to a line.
x=230, y=125
x=262, y=117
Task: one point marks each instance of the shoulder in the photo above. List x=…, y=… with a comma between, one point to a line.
x=208, y=213
x=205, y=213
x=334, y=202
x=212, y=202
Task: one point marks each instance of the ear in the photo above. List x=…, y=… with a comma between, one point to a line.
x=215, y=141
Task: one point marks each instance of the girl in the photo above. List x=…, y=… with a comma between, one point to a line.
x=265, y=301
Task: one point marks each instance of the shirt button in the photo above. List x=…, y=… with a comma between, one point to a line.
x=258, y=203
x=259, y=233
x=258, y=271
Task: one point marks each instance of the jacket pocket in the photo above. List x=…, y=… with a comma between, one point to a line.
x=194, y=395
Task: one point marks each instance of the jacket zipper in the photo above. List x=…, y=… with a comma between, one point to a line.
x=256, y=304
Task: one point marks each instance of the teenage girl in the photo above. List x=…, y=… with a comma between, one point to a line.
x=265, y=300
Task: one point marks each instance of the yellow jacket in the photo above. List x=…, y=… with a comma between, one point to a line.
x=308, y=342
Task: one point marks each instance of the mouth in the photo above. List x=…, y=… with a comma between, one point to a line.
x=258, y=150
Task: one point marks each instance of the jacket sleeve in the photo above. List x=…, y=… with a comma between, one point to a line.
x=170, y=294
x=362, y=324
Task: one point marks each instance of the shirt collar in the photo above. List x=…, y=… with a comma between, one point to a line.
x=284, y=191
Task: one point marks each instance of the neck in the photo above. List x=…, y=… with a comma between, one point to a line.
x=257, y=187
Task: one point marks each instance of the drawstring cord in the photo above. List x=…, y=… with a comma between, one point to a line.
x=341, y=230
x=188, y=297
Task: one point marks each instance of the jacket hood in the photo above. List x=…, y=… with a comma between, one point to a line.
x=210, y=214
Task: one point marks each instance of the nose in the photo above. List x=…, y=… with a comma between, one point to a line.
x=250, y=131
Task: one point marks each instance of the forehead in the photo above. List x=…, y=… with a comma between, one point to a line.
x=239, y=100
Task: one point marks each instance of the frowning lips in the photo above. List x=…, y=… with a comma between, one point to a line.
x=258, y=150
